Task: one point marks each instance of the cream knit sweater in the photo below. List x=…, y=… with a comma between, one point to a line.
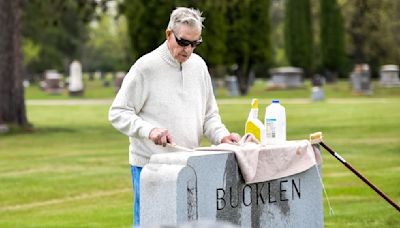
x=160, y=92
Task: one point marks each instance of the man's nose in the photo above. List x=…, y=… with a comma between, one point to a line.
x=189, y=47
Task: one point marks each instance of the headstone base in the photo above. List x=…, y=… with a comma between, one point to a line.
x=4, y=129
x=75, y=93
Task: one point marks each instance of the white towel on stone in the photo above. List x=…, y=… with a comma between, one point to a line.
x=260, y=163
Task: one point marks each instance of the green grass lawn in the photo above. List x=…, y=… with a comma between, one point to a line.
x=72, y=171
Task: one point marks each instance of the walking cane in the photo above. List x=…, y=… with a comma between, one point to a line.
x=316, y=138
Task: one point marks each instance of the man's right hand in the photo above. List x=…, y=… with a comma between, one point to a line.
x=160, y=136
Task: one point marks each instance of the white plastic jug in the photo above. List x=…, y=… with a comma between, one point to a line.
x=275, y=123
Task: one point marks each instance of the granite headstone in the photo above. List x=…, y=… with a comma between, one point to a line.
x=177, y=188
x=75, y=87
x=286, y=77
x=52, y=83
x=389, y=76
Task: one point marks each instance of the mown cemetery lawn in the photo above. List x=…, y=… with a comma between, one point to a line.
x=73, y=171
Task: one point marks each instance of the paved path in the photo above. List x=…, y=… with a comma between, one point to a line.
x=70, y=102
x=233, y=101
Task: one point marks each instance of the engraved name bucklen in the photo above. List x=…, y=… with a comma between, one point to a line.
x=258, y=193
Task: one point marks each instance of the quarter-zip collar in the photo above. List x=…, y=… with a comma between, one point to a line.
x=170, y=60
x=167, y=57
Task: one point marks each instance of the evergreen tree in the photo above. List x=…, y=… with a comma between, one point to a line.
x=236, y=32
x=108, y=48
x=298, y=34
x=332, y=38
x=147, y=21
x=248, y=40
x=58, y=28
x=214, y=33
x=373, y=29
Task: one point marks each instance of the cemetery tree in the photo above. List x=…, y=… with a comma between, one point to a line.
x=214, y=35
x=226, y=41
x=213, y=49
x=260, y=38
x=147, y=21
x=12, y=103
x=107, y=49
x=58, y=28
x=298, y=34
x=277, y=33
x=373, y=28
x=332, y=39
x=248, y=39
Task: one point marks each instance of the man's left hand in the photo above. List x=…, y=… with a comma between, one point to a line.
x=232, y=138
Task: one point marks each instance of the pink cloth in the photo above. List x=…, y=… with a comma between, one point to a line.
x=260, y=163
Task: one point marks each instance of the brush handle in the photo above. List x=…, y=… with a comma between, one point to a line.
x=338, y=157
x=179, y=147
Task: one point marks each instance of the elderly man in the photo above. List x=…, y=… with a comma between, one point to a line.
x=167, y=99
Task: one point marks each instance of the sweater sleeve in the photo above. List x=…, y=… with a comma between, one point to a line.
x=214, y=129
x=123, y=113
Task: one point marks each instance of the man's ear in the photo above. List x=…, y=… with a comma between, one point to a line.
x=167, y=33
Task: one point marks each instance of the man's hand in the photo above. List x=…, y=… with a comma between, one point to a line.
x=232, y=138
x=160, y=136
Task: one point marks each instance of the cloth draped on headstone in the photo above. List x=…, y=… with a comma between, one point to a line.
x=260, y=163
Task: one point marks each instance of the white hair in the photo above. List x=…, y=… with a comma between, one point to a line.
x=185, y=16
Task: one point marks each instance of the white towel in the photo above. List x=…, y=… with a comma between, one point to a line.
x=260, y=163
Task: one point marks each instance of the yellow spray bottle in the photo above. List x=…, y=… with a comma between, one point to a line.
x=254, y=125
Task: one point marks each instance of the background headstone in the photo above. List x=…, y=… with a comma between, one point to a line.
x=317, y=91
x=26, y=83
x=389, y=76
x=98, y=75
x=52, y=83
x=119, y=77
x=91, y=76
x=75, y=87
x=214, y=86
x=355, y=80
x=4, y=129
x=232, y=85
x=107, y=78
x=189, y=186
x=366, y=85
x=286, y=77
x=361, y=80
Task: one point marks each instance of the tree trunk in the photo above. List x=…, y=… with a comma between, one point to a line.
x=355, y=34
x=242, y=74
x=12, y=103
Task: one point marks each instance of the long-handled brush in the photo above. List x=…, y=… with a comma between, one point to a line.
x=316, y=138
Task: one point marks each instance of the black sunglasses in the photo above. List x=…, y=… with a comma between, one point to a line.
x=184, y=43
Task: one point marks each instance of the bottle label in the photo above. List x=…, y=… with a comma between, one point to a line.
x=271, y=128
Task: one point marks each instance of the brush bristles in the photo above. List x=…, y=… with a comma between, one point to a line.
x=316, y=137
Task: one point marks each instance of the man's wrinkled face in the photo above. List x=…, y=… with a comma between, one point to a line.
x=188, y=38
